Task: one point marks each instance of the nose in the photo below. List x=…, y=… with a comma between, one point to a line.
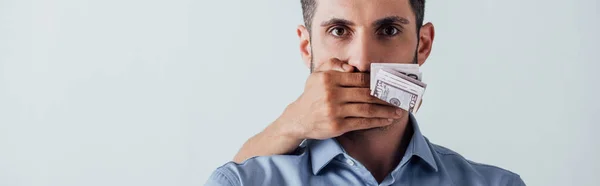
x=362, y=53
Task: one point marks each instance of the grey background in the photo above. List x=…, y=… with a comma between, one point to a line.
x=132, y=92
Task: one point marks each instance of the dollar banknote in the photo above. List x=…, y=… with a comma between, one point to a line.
x=411, y=70
x=398, y=87
x=395, y=95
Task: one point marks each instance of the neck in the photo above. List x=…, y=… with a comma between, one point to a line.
x=380, y=150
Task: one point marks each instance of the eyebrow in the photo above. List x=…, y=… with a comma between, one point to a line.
x=390, y=20
x=337, y=21
x=383, y=21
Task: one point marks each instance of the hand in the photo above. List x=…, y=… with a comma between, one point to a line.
x=335, y=101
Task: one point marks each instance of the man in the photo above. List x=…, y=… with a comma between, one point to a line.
x=352, y=137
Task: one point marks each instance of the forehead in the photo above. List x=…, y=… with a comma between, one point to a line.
x=362, y=11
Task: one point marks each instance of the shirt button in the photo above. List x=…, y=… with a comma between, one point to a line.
x=350, y=162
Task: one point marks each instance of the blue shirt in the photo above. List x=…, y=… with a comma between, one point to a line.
x=324, y=162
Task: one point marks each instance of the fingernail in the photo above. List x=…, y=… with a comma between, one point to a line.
x=390, y=120
x=347, y=67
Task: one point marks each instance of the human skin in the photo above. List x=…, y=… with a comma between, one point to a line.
x=345, y=38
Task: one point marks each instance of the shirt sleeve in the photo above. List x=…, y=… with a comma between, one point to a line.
x=516, y=181
x=218, y=178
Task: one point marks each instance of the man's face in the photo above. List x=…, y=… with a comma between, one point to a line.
x=361, y=32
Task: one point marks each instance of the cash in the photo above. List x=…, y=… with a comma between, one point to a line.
x=411, y=70
x=398, y=84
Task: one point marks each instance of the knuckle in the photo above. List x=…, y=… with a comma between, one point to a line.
x=362, y=108
x=370, y=109
x=360, y=122
x=363, y=121
x=362, y=78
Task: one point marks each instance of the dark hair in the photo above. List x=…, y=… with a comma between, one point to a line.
x=309, y=6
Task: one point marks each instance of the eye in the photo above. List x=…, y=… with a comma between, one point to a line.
x=338, y=31
x=389, y=31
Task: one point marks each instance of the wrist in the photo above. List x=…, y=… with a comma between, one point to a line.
x=282, y=140
x=284, y=131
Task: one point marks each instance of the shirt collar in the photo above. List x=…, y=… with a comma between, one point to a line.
x=419, y=146
x=323, y=151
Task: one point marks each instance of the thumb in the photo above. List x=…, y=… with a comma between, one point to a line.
x=335, y=65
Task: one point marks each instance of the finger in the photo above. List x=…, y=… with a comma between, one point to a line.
x=367, y=110
x=352, y=124
x=357, y=95
x=357, y=79
x=334, y=65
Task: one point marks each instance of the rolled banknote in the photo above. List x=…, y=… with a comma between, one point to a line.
x=411, y=70
x=395, y=95
x=398, y=89
x=390, y=73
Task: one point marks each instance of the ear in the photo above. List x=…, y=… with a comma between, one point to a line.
x=305, y=49
x=426, y=36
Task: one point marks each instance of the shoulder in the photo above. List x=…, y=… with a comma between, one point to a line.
x=260, y=170
x=461, y=169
